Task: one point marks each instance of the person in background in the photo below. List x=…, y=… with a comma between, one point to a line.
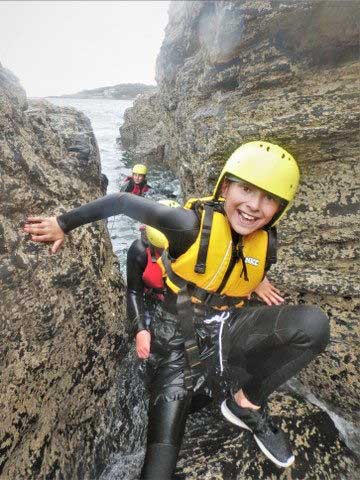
x=136, y=183
x=145, y=283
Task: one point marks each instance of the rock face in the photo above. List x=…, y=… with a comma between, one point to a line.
x=61, y=315
x=123, y=91
x=286, y=72
x=146, y=144
x=231, y=72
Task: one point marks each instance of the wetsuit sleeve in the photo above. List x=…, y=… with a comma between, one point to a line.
x=125, y=187
x=149, y=192
x=135, y=264
x=179, y=225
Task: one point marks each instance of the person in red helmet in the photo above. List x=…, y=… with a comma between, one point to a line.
x=137, y=182
x=205, y=335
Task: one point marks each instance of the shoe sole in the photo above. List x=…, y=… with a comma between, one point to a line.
x=236, y=421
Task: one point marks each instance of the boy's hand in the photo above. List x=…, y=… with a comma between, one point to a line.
x=142, y=340
x=268, y=293
x=45, y=229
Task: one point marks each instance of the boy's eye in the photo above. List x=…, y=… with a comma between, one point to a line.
x=273, y=199
x=245, y=187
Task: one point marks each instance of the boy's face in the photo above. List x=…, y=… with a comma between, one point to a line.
x=247, y=207
x=138, y=178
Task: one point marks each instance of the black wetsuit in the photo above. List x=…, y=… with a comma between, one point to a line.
x=141, y=301
x=267, y=345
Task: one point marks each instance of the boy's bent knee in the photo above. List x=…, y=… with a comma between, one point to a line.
x=315, y=323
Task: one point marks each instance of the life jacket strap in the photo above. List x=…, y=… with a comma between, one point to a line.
x=198, y=294
x=193, y=364
x=185, y=317
x=174, y=278
x=240, y=254
x=271, y=255
x=200, y=265
x=153, y=254
x=213, y=299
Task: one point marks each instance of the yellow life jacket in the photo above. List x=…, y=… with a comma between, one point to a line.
x=229, y=271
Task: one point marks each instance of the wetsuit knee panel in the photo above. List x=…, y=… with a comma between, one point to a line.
x=314, y=323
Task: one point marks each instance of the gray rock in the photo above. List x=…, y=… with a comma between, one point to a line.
x=61, y=315
x=144, y=145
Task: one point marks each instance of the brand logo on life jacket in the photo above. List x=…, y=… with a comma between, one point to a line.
x=252, y=261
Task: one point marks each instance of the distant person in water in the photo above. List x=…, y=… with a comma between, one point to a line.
x=136, y=183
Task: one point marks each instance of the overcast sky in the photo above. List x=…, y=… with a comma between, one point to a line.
x=68, y=46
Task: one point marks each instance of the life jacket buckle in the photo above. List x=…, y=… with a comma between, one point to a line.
x=208, y=298
x=199, y=295
x=199, y=268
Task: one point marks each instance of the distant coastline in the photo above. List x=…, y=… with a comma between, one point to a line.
x=123, y=91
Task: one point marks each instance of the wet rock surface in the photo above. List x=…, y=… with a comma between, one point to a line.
x=61, y=315
x=214, y=449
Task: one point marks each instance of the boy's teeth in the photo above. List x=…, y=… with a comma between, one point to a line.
x=246, y=216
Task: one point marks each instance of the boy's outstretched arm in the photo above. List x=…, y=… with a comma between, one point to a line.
x=179, y=225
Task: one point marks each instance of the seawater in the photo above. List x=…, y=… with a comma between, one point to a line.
x=106, y=117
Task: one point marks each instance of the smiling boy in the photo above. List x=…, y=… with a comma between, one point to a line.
x=219, y=253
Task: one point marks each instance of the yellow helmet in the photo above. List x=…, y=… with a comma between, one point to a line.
x=267, y=166
x=139, y=169
x=154, y=236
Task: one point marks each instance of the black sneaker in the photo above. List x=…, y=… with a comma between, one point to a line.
x=271, y=440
